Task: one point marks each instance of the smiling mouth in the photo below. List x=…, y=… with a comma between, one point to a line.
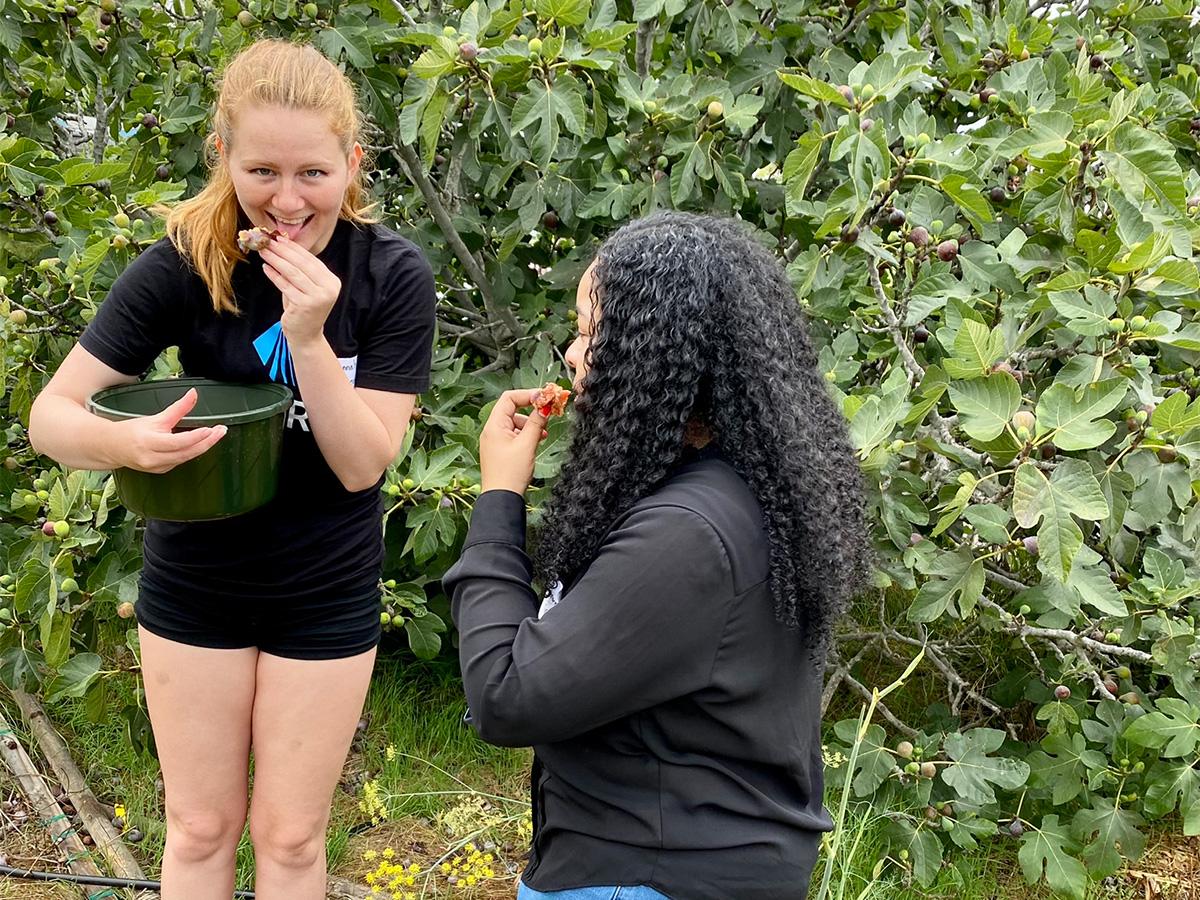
x=293, y=223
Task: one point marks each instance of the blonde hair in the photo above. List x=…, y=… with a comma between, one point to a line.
x=267, y=73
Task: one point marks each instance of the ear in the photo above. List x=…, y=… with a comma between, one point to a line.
x=356, y=155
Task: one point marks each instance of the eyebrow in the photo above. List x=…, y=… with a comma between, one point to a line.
x=257, y=163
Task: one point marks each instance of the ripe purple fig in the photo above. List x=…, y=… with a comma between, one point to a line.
x=1031, y=545
x=1062, y=692
x=468, y=50
x=947, y=250
x=919, y=236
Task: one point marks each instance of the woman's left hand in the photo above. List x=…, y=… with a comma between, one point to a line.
x=508, y=443
x=309, y=290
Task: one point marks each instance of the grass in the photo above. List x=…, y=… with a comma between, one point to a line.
x=417, y=708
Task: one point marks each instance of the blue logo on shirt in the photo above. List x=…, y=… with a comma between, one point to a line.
x=272, y=349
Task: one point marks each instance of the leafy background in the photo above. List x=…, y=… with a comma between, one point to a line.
x=989, y=213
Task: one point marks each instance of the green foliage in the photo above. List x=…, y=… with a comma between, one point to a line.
x=988, y=213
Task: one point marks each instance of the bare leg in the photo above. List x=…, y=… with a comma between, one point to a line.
x=305, y=712
x=200, y=703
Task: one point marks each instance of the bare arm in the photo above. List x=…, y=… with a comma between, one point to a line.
x=61, y=428
x=358, y=430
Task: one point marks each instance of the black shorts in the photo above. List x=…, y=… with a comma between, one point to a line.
x=296, y=629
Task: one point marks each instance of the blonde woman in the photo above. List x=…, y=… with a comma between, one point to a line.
x=259, y=632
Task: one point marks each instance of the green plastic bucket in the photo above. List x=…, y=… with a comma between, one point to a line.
x=237, y=474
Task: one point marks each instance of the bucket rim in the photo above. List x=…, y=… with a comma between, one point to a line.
x=96, y=403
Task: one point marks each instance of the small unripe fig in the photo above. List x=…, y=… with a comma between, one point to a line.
x=18, y=317
x=928, y=770
x=1116, y=324
x=121, y=220
x=68, y=586
x=847, y=92
x=1062, y=692
x=1131, y=698
x=947, y=250
x=904, y=749
x=866, y=124
x=1139, y=323
x=913, y=768
x=716, y=109
x=246, y=19
x=125, y=610
x=535, y=45
x=1123, y=672
x=1023, y=418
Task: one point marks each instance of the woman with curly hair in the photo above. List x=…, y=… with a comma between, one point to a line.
x=702, y=538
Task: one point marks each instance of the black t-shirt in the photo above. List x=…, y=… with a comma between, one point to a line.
x=315, y=538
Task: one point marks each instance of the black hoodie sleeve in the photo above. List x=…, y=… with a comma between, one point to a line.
x=641, y=626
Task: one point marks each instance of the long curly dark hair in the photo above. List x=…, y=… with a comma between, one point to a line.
x=697, y=323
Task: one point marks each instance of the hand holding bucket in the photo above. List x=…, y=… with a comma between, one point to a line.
x=155, y=446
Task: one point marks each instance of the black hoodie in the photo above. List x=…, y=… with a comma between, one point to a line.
x=675, y=722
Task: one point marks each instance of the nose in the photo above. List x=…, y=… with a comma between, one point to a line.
x=572, y=354
x=287, y=199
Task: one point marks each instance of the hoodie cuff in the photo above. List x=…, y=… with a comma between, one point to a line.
x=499, y=517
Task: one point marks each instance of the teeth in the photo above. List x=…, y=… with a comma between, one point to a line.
x=290, y=221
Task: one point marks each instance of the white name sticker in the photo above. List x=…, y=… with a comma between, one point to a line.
x=350, y=367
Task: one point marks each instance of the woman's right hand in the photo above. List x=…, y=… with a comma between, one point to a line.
x=150, y=443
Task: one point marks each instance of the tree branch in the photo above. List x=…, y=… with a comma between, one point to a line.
x=645, y=47
x=416, y=174
x=914, y=368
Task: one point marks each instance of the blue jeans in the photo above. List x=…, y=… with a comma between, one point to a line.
x=612, y=892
